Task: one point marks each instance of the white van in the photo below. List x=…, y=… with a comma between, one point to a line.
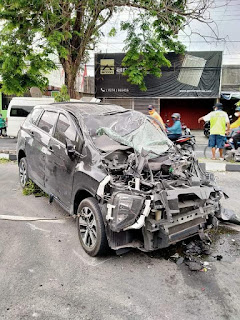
x=18, y=110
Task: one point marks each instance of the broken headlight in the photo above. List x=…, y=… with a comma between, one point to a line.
x=126, y=208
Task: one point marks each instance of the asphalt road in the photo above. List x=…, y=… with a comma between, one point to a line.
x=44, y=273
x=8, y=144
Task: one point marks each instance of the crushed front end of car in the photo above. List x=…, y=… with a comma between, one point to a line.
x=154, y=194
x=153, y=210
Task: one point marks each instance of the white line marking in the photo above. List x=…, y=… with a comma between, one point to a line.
x=22, y=218
x=93, y=262
x=33, y=227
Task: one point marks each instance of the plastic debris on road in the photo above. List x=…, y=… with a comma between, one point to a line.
x=228, y=215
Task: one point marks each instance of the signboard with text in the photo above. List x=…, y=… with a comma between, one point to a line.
x=195, y=74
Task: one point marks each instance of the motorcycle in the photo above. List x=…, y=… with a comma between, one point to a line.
x=187, y=141
x=206, y=129
x=229, y=151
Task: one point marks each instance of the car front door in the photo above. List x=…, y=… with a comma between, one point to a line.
x=59, y=166
x=38, y=146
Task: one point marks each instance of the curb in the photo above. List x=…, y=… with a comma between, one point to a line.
x=9, y=155
x=220, y=167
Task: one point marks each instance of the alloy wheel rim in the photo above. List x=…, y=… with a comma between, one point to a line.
x=88, y=227
x=23, y=174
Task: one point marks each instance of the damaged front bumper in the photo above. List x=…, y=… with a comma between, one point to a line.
x=155, y=221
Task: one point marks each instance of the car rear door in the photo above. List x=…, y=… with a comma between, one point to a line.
x=59, y=167
x=37, y=147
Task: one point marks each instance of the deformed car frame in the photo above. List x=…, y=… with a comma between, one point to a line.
x=130, y=187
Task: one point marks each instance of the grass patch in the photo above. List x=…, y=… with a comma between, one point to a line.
x=3, y=160
x=232, y=161
x=32, y=188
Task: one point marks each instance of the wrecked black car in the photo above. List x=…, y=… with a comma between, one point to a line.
x=116, y=171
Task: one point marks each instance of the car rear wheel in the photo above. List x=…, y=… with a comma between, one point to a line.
x=23, y=172
x=91, y=229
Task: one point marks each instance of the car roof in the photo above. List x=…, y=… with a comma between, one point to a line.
x=87, y=108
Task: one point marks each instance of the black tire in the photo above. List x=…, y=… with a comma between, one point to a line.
x=91, y=229
x=207, y=133
x=23, y=172
x=207, y=152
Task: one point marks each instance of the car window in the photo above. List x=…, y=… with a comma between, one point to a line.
x=65, y=130
x=47, y=121
x=35, y=115
x=20, y=111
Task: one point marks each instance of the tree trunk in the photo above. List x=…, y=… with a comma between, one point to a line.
x=70, y=80
x=70, y=76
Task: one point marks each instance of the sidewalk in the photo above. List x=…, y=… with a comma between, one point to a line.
x=213, y=165
x=218, y=165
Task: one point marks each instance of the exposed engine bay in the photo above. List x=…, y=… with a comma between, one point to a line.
x=154, y=194
x=152, y=203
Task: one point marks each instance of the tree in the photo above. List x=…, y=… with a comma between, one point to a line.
x=62, y=95
x=35, y=30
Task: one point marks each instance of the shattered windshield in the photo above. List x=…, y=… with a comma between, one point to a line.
x=129, y=128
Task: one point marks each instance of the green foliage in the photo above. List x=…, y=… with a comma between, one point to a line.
x=147, y=42
x=112, y=32
x=32, y=188
x=62, y=95
x=3, y=160
x=237, y=104
x=35, y=31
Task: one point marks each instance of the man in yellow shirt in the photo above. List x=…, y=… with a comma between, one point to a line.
x=218, y=121
x=153, y=113
x=235, y=125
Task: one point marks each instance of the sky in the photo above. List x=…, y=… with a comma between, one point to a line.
x=226, y=24
x=197, y=37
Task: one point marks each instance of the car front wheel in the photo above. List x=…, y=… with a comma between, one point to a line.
x=91, y=229
x=23, y=172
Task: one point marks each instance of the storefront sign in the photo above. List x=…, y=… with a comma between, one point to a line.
x=195, y=74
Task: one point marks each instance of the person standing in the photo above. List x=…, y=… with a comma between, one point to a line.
x=218, y=122
x=153, y=113
x=2, y=125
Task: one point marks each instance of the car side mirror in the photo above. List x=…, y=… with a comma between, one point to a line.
x=71, y=151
